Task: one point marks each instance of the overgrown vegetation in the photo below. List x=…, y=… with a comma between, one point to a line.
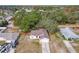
x=49, y=18
x=27, y=21
x=3, y=23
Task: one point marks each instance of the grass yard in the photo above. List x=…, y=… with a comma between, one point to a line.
x=2, y=42
x=56, y=44
x=26, y=46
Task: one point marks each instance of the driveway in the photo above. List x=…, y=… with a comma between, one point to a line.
x=69, y=46
x=45, y=47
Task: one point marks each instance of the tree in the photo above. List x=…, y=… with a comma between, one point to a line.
x=3, y=23
x=19, y=17
x=49, y=25
x=73, y=17
x=27, y=20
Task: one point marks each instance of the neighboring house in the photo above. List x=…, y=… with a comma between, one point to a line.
x=40, y=34
x=11, y=38
x=68, y=33
x=73, y=26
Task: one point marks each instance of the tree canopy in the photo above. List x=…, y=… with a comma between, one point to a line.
x=27, y=20
x=3, y=23
x=49, y=18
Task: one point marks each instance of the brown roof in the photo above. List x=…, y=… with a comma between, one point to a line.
x=42, y=33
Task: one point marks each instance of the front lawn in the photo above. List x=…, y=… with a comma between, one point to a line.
x=27, y=46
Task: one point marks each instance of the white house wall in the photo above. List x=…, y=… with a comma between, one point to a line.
x=33, y=37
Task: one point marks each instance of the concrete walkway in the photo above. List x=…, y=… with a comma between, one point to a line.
x=69, y=46
x=12, y=50
x=45, y=47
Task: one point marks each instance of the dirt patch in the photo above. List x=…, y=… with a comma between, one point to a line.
x=26, y=46
x=57, y=45
x=76, y=46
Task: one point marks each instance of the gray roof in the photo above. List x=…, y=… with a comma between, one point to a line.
x=42, y=33
x=68, y=33
x=9, y=36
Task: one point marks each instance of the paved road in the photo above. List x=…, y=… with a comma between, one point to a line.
x=69, y=46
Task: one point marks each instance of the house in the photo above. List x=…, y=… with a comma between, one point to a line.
x=68, y=33
x=11, y=38
x=40, y=34
x=73, y=26
x=8, y=41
